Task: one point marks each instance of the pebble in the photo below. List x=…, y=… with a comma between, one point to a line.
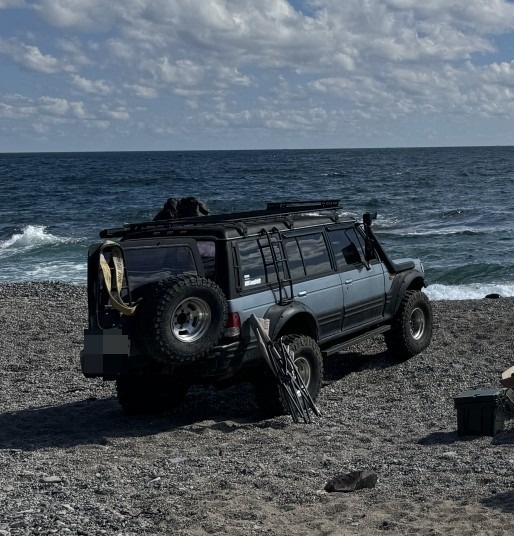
x=397, y=419
x=449, y=454
x=51, y=479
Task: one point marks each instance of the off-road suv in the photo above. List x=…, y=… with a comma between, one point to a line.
x=169, y=301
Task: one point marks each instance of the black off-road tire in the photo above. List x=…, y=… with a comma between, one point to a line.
x=182, y=319
x=411, y=331
x=309, y=361
x=150, y=394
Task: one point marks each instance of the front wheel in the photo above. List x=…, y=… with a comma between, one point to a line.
x=411, y=330
x=308, y=360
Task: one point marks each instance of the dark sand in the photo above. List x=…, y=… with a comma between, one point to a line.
x=71, y=463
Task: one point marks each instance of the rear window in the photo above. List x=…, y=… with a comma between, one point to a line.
x=147, y=265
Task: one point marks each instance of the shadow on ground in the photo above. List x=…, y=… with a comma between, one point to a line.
x=501, y=501
x=340, y=365
x=505, y=437
x=92, y=421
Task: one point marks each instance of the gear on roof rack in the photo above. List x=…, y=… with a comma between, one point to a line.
x=273, y=209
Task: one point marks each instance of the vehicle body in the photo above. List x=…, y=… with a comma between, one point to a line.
x=322, y=280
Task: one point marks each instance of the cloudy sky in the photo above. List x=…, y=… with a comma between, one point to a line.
x=252, y=74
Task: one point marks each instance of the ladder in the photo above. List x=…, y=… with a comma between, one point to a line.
x=278, y=261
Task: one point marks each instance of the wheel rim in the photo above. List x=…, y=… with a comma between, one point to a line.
x=304, y=369
x=191, y=319
x=417, y=323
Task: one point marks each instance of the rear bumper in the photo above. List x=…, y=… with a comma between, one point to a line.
x=107, y=354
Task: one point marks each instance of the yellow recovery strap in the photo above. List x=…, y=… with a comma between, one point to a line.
x=117, y=261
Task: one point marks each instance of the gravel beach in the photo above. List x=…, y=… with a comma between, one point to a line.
x=72, y=463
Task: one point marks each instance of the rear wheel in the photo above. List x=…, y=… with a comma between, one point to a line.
x=182, y=319
x=411, y=331
x=150, y=394
x=308, y=360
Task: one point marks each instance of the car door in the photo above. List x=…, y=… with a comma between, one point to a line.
x=316, y=283
x=363, y=283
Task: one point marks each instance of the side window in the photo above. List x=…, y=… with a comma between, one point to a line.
x=294, y=259
x=347, y=247
x=207, y=251
x=359, y=233
x=314, y=253
x=257, y=267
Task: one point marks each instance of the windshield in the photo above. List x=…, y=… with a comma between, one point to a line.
x=151, y=264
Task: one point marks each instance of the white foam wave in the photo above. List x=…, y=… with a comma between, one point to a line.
x=436, y=232
x=474, y=291
x=70, y=272
x=445, y=231
x=32, y=236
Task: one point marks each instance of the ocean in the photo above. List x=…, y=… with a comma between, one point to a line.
x=451, y=207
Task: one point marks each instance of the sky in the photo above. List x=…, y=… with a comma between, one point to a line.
x=98, y=75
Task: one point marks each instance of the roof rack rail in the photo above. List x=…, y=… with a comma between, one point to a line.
x=279, y=208
x=300, y=206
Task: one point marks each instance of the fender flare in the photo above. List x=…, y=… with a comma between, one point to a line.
x=280, y=315
x=403, y=282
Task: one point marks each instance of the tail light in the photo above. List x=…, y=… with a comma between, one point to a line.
x=233, y=326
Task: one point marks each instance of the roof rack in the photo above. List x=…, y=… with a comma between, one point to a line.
x=280, y=208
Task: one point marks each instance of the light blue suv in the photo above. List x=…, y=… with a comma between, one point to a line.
x=169, y=301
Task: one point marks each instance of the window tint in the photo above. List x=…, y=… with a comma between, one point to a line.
x=314, y=253
x=347, y=247
x=145, y=265
x=207, y=251
x=294, y=258
x=257, y=267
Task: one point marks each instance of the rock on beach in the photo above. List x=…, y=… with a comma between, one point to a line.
x=72, y=463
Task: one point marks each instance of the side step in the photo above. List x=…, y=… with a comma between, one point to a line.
x=354, y=340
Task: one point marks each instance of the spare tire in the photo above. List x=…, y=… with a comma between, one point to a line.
x=183, y=319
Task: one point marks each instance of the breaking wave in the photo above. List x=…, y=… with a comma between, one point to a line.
x=32, y=237
x=473, y=291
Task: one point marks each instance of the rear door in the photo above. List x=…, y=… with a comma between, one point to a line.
x=152, y=260
x=363, y=286
x=316, y=283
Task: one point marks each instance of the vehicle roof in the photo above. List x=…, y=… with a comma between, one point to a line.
x=282, y=216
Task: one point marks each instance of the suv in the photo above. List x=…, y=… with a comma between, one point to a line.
x=169, y=302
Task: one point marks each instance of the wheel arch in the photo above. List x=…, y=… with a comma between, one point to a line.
x=403, y=282
x=293, y=318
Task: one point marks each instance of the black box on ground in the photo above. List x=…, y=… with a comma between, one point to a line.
x=480, y=412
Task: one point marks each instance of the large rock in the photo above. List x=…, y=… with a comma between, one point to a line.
x=352, y=481
x=185, y=207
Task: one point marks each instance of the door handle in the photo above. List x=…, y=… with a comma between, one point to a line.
x=302, y=293
x=348, y=282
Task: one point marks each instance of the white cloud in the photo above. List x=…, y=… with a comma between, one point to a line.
x=180, y=72
x=74, y=50
x=120, y=113
x=54, y=106
x=82, y=14
x=227, y=76
x=139, y=90
x=47, y=110
x=30, y=57
x=6, y=4
x=96, y=87
x=241, y=64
